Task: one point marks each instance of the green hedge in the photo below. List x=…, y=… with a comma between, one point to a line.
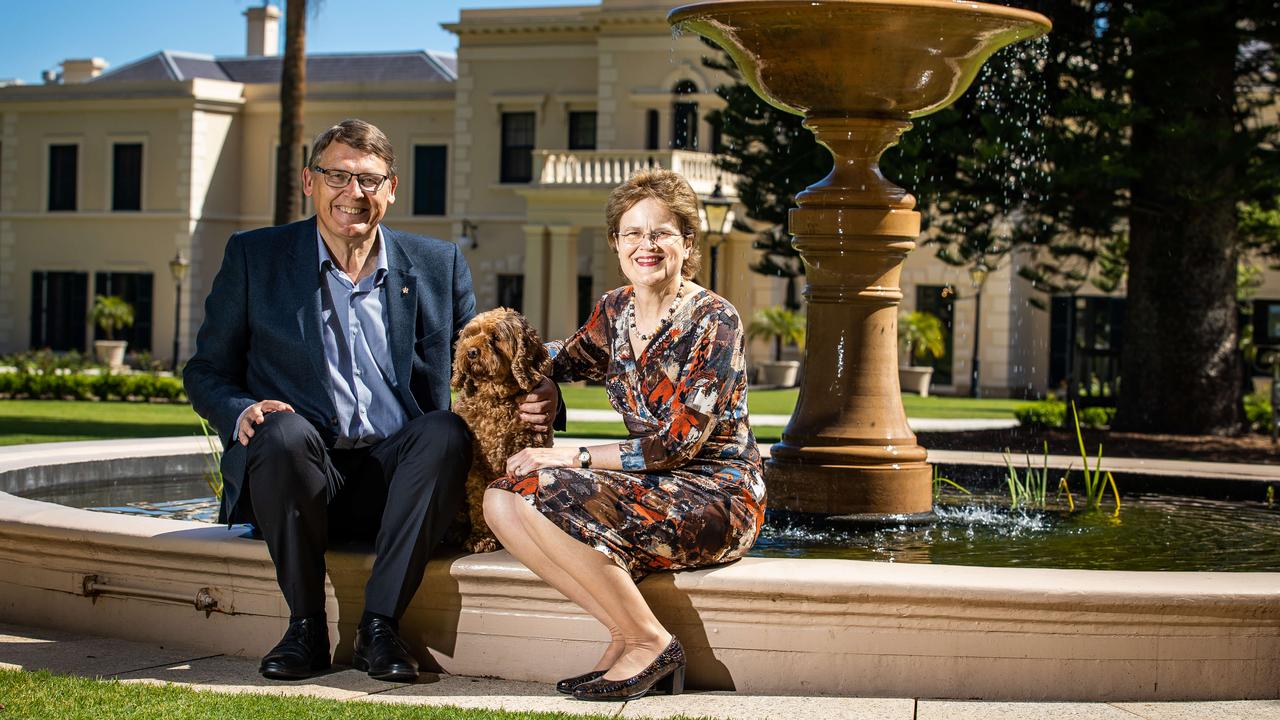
x=79, y=386
x=1056, y=414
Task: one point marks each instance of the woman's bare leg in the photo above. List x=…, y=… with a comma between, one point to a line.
x=499, y=514
x=610, y=589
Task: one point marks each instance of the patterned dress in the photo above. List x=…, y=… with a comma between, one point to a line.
x=691, y=493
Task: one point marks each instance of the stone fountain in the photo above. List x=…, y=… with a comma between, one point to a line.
x=858, y=71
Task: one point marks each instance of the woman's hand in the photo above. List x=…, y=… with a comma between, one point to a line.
x=531, y=459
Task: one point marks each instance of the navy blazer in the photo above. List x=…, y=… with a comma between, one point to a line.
x=261, y=340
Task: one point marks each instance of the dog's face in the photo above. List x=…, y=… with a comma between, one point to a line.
x=500, y=352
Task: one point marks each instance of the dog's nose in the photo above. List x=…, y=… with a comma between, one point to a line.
x=472, y=353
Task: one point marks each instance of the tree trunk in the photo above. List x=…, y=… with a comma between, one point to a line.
x=1180, y=365
x=293, y=86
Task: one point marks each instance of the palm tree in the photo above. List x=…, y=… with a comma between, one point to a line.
x=779, y=324
x=293, y=87
x=920, y=333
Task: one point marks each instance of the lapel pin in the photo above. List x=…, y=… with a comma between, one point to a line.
x=404, y=290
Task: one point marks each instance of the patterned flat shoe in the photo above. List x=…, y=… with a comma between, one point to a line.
x=567, y=685
x=666, y=672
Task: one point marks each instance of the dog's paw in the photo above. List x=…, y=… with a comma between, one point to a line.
x=481, y=544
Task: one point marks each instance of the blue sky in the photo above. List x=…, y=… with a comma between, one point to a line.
x=43, y=33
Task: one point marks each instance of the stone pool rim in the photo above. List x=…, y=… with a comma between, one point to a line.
x=842, y=627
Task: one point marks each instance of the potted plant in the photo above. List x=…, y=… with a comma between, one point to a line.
x=784, y=327
x=111, y=313
x=920, y=338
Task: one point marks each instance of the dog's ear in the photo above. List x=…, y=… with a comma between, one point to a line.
x=528, y=366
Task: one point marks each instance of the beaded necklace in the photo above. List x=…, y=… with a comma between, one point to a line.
x=671, y=311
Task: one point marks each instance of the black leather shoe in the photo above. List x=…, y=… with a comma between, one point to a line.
x=666, y=672
x=301, y=653
x=381, y=653
x=567, y=685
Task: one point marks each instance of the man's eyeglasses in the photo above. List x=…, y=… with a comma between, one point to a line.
x=658, y=237
x=368, y=182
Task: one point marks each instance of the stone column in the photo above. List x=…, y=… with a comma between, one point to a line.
x=535, y=276
x=562, y=282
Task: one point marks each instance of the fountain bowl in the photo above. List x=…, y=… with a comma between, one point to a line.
x=859, y=58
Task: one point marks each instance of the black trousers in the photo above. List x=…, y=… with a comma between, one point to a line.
x=402, y=493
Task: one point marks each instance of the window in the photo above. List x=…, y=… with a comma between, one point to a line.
x=651, y=130
x=511, y=292
x=1086, y=336
x=429, y=179
x=582, y=130
x=59, y=307
x=126, y=176
x=939, y=301
x=684, y=115
x=517, y=147
x=586, y=300
x=62, y=177
x=137, y=289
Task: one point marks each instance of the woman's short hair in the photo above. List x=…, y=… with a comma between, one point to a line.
x=670, y=189
x=360, y=135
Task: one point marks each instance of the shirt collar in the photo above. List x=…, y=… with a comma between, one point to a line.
x=380, y=262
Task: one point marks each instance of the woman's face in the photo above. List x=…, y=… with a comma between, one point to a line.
x=651, y=249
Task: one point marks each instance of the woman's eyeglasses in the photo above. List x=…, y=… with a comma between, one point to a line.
x=658, y=237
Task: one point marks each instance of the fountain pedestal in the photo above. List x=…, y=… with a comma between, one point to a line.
x=858, y=70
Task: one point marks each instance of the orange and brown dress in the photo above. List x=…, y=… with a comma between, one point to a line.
x=691, y=493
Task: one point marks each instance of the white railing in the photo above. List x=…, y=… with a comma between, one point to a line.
x=585, y=168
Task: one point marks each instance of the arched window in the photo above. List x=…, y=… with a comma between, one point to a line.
x=684, y=115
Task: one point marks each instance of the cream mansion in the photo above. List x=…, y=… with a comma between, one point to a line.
x=508, y=148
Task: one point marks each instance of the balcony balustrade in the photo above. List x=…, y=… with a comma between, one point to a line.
x=606, y=168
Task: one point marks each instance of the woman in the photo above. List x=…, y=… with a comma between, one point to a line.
x=685, y=490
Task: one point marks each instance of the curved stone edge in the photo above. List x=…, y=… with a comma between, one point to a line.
x=762, y=626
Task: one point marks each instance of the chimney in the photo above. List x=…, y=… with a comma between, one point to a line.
x=264, y=31
x=84, y=70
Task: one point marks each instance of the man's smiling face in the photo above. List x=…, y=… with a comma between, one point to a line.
x=348, y=214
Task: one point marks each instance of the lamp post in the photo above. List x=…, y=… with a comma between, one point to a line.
x=718, y=218
x=978, y=276
x=178, y=267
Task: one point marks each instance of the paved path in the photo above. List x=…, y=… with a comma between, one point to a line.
x=66, y=653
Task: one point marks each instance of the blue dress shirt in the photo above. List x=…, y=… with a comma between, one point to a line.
x=353, y=318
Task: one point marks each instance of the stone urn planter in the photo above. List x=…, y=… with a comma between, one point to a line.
x=779, y=373
x=110, y=352
x=915, y=379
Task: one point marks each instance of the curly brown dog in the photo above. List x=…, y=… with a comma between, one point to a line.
x=498, y=359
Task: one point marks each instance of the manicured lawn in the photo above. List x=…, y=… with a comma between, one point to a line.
x=35, y=421
x=32, y=421
x=43, y=696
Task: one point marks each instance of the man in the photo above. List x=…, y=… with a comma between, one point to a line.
x=324, y=363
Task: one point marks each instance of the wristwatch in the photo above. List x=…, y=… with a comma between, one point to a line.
x=584, y=457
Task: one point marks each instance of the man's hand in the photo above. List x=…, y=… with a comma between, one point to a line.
x=538, y=408
x=256, y=413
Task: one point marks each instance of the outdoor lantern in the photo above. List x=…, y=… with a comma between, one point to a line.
x=978, y=274
x=178, y=267
x=718, y=211
x=467, y=240
x=717, y=217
